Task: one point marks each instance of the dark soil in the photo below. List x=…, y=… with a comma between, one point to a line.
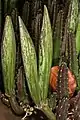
x=7, y=114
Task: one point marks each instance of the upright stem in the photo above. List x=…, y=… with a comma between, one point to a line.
x=47, y=111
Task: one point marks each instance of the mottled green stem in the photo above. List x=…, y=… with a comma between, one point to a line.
x=57, y=40
x=48, y=112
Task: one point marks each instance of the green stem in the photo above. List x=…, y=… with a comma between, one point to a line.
x=47, y=111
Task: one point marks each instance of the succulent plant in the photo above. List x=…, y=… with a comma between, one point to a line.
x=62, y=93
x=46, y=34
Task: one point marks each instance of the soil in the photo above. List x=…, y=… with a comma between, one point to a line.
x=7, y=114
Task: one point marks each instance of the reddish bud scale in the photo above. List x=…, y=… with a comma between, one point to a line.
x=71, y=80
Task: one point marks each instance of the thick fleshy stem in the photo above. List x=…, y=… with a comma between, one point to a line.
x=57, y=38
x=48, y=112
x=77, y=107
x=52, y=100
x=73, y=60
x=25, y=12
x=18, y=110
x=62, y=109
x=37, y=31
x=64, y=46
x=54, y=14
x=62, y=93
x=62, y=82
x=21, y=93
x=72, y=55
